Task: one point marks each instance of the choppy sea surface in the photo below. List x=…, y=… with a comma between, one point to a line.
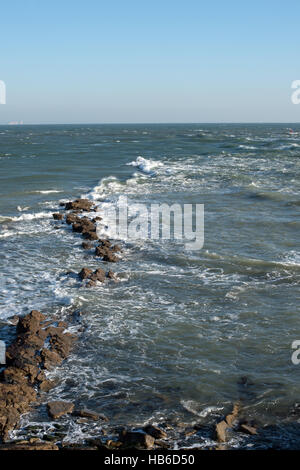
x=183, y=334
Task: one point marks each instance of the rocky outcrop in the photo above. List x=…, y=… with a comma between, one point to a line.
x=97, y=275
x=106, y=253
x=37, y=347
x=79, y=204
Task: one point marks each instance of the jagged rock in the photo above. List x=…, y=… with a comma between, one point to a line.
x=57, y=216
x=56, y=409
x=110, y=258
x=155, y=431
x=98, y=275
x=30, y=322
x=101, y=251
x=85, y=273
x=61, y=344
x=50, y=358
x=136, y=439
x=14, y=400
x=104, y=242
x=90, y=235
x=79, y=204
x=72, y=219
x=14, y=375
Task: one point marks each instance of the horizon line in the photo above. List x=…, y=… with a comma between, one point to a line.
x=12, y=123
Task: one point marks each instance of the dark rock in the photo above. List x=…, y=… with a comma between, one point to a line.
x=110, y=258
x=29, y=446
x=90, y=235
x=79, y=204
x=98, y=275
x=85, y=273
x=57, y=216
x=72, y=219
x=155, y=431
x=104, y=242
x=56, y=409
x=101, y=251
x=30, y=322
x=77, y=227
x=84, y=413
x=61, y=344
x=111, y=275
x=50, y=358
x=136, y=439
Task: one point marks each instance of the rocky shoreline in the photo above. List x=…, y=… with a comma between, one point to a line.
x=42, y=344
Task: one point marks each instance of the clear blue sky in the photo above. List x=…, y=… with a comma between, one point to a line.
x=73, y=61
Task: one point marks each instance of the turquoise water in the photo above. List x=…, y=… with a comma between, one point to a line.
x=172, y=339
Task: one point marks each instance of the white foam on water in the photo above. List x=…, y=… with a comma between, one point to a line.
x=247, y=147
x=47, y=191
x=291, y=258
x=288, y=146
x=145, y=165
x=24, y=217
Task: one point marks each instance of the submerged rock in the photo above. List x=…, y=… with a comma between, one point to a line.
x=84, y=413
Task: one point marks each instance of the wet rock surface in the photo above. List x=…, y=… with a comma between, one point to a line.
x=37, y=347
x=56, y=409
x=137, y=439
